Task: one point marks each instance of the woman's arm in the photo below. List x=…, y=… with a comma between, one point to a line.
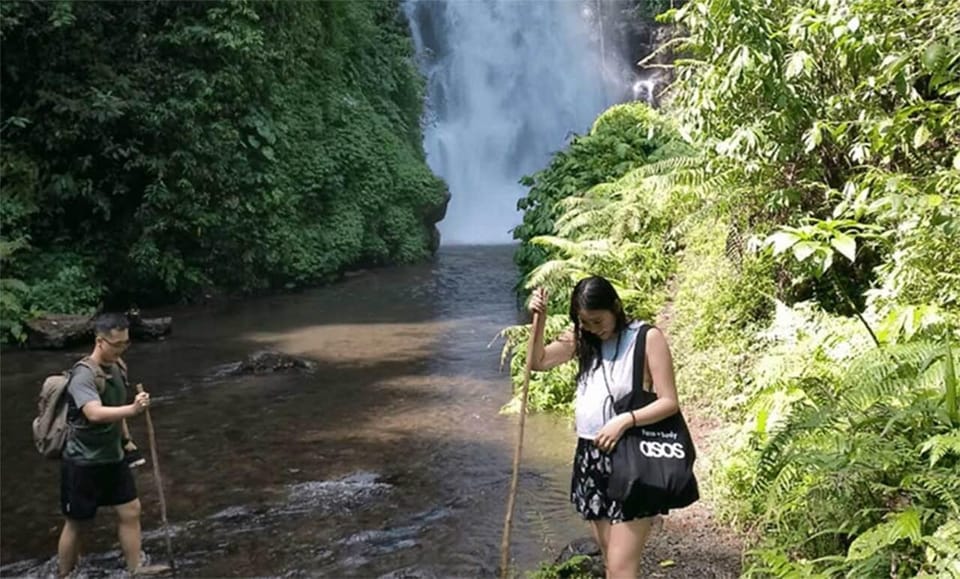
x=661, y=370
x=554, y=354
x=559, y=351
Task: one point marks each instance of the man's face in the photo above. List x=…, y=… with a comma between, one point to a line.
x=114, y=344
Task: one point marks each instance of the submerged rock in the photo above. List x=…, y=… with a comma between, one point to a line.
x=270, y=361
x=409, y=573
x=264, y=362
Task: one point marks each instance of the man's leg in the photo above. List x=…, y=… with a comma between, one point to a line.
x=78, y=503
x=68, y=549
x=128, y=530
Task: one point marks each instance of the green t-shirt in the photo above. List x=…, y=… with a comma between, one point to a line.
x=91, y=443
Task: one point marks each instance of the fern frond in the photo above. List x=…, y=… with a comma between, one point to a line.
x=898, y=526
x=941, y=445
x=667, y=167
x=569, y=247
x=941, y=483
x=555, y=269
x=774, y=456
x=889, y=373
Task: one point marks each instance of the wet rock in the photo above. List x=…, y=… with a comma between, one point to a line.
x=103, y=565
x=269, y=361
x=263, y=362
x=148, y=328
x=434, y=215
x=233, y=513
x=585, y=547
x=409, y=573
x=58, y=331
x=63, y=331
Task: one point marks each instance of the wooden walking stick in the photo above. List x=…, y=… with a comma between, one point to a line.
x=512, y=497
x=156, y=477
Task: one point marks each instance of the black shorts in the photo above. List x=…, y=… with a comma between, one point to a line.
x=83, y=487
x=588, y=488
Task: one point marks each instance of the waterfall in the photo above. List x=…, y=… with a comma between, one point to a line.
x=508, y=81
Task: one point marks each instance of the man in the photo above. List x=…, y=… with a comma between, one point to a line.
x=93, y=470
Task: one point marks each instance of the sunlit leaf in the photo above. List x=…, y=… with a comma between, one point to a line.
x=845, y=245
x=921, y=136
x=782, y=241
x=804, y=249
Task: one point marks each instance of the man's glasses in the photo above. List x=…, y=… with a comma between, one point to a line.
x=119, y=344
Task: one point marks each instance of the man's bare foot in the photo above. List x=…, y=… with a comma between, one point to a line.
x=156, y=569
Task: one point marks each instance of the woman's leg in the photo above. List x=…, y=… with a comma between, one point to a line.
x=601, y=534
x=625, y=543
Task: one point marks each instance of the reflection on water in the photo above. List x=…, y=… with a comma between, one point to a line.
x=389, y=459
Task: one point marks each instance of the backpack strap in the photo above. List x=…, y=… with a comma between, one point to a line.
x=123, y=371
x=99, y=377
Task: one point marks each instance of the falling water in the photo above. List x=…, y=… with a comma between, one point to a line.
x=508, y=82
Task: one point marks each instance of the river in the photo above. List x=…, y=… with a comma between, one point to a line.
x=391, y=458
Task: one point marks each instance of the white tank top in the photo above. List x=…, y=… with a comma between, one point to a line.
x=591, y=406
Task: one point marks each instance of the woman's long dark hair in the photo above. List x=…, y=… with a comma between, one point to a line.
x=593, y=293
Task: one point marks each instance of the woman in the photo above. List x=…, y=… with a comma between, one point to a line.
x=603, y=340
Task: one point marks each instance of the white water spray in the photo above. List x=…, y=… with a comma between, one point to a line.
x=508, y=81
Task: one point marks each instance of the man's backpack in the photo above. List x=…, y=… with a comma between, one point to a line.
x=50, y=427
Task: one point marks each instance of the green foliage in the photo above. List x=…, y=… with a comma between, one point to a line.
x=836, y=110
x=12, y=295
x=821, y=197
x=622, y=138
x=718, y=307
x=835, y=122
x=63, y=282
x=240, y=145
x=577, y=567
x=619, y=228
x=550, y=391
x=840, y=469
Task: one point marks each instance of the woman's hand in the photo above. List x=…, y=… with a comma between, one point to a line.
x=611, y=432
x=538, y=301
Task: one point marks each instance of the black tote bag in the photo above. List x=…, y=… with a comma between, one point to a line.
x=652, y=465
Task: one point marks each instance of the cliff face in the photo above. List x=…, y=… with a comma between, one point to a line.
x=626, y=31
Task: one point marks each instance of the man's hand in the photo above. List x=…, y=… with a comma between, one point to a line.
x=141, y=402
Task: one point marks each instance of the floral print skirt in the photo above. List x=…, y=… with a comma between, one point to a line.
x=588, y=487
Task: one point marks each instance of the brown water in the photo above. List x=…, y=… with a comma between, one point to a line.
x=390, y=459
